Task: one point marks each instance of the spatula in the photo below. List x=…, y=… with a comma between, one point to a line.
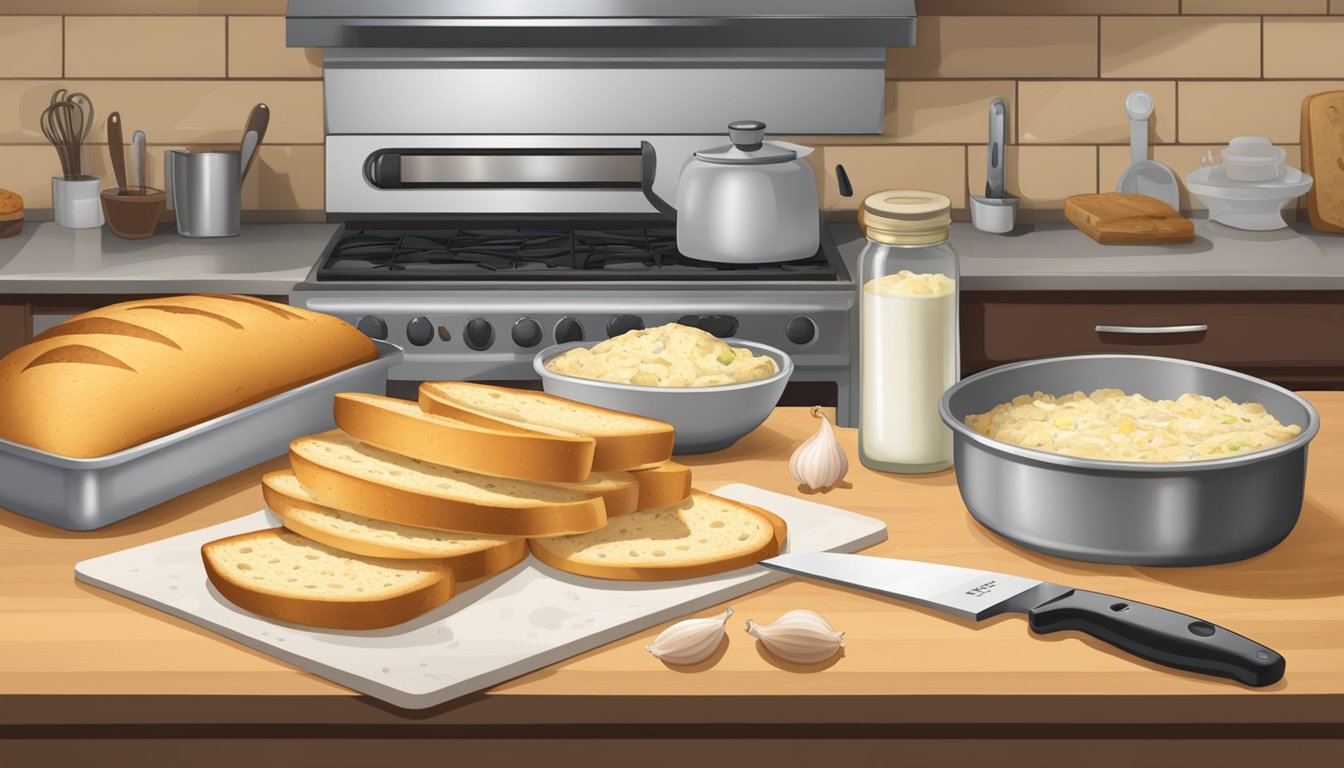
x=1144, y=176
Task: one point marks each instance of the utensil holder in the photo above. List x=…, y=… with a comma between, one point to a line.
x=206, y=192
x=75, y=203
x=132, y=214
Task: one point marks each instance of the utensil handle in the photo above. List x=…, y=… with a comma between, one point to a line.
x=1153, y=329
x=1159, y=635
x=994, y=158
x=116, y=149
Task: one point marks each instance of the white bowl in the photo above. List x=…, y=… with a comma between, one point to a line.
x=706, y=418
x=1246, y=205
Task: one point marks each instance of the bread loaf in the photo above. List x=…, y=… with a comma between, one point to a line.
x=622, y=440
x=281, y=575
x=118, y=376
x=703, y=535
x=470, y=555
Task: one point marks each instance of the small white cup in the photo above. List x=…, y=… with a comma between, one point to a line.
x=994, y=214
x=74, y=200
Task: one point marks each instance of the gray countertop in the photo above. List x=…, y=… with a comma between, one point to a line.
x=263, y=259
x=271, y=258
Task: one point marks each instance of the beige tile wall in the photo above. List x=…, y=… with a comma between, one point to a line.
x=186, y=72
x=1216, y=69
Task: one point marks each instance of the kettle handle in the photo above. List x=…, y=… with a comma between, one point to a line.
x=648, y=171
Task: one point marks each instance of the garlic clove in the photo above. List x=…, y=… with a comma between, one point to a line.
x=690, y=641
x=800, y=636
x=819, y=462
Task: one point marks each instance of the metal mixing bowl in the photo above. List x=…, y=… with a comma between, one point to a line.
x=1137, y=513
x=706, y=418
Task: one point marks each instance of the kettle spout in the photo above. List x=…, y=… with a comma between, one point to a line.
x=648, y=170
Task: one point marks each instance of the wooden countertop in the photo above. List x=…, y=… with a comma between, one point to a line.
x=74, y=658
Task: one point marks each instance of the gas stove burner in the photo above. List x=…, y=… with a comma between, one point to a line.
x=565, y=254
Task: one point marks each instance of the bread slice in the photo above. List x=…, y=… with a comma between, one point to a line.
x=618, y=490
x=702, y=535
x=623, y=440
x=470, y=555
x=370, y=481
x=503, y=450
x=662, y=484
x=281, y=575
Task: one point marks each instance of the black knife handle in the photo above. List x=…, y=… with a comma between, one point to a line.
x=1159, y=635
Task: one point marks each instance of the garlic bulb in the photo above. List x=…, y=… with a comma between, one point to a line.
x=800, y=636
x=690, y=641
x=819, y=462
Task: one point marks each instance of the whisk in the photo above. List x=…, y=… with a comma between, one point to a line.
x=66, y=124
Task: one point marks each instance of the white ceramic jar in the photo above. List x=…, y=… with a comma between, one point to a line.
x=908, y=335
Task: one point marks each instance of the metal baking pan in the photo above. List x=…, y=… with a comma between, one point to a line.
x=84, y=494
x=1136, y=513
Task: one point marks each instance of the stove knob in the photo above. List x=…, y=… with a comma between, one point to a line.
x=721, y=326
x=420, y=331
x=373, y=326
x=526, y=332
x=622, y=323
x=801, y=329
x=568, y=329
x=480, y=333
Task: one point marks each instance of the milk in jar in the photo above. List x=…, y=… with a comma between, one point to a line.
x=909, y=351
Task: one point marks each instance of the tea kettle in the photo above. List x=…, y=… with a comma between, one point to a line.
x=750, y=202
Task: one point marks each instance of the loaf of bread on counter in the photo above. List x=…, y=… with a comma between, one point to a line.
x=122, y=375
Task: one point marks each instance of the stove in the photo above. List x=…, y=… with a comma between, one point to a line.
x=477, y=304
x=486, y=161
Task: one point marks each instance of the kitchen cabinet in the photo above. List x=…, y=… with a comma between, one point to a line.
x=86, y=676
x=1293, y=338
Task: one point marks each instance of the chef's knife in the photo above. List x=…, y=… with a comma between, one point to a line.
x=1156, y=634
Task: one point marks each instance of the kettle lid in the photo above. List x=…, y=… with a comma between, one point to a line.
x=748, y=148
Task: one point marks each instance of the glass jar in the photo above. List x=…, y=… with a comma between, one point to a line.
x=909, y=349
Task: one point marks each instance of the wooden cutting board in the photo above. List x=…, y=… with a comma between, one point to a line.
x=1323, y=159
x=1113, y=218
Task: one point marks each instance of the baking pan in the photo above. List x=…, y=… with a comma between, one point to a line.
x=1136, y=513
x=84, y=494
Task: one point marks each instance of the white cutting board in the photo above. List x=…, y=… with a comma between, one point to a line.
x=518, y=621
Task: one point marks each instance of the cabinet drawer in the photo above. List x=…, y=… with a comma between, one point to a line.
x=1258, y=332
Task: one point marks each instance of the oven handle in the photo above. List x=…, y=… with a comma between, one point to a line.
x=1146, y=329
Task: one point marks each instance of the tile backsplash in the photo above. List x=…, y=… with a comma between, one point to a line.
x=187, y=71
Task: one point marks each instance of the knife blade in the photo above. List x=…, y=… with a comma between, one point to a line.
x=1159, y=635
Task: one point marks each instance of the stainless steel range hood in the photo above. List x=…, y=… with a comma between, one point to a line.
x=599, y=23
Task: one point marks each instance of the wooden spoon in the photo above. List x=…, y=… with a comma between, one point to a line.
x=116, y=147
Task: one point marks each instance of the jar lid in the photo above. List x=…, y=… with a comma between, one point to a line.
x=906, y=217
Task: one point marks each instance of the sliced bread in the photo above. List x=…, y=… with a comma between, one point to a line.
x=662, y=484
x=623, y=440
x=500, y=449
x=618, y=490
x=281, y=575
x=384, y=485
x=702, y=535
x=470, y=555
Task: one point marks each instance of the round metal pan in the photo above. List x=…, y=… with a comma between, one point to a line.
x=1137, y=513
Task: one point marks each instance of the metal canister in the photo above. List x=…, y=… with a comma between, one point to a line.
x=206, y=192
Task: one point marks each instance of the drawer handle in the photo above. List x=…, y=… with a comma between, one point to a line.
x=1196, y=328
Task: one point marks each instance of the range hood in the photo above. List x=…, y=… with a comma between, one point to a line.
x=599, y=23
